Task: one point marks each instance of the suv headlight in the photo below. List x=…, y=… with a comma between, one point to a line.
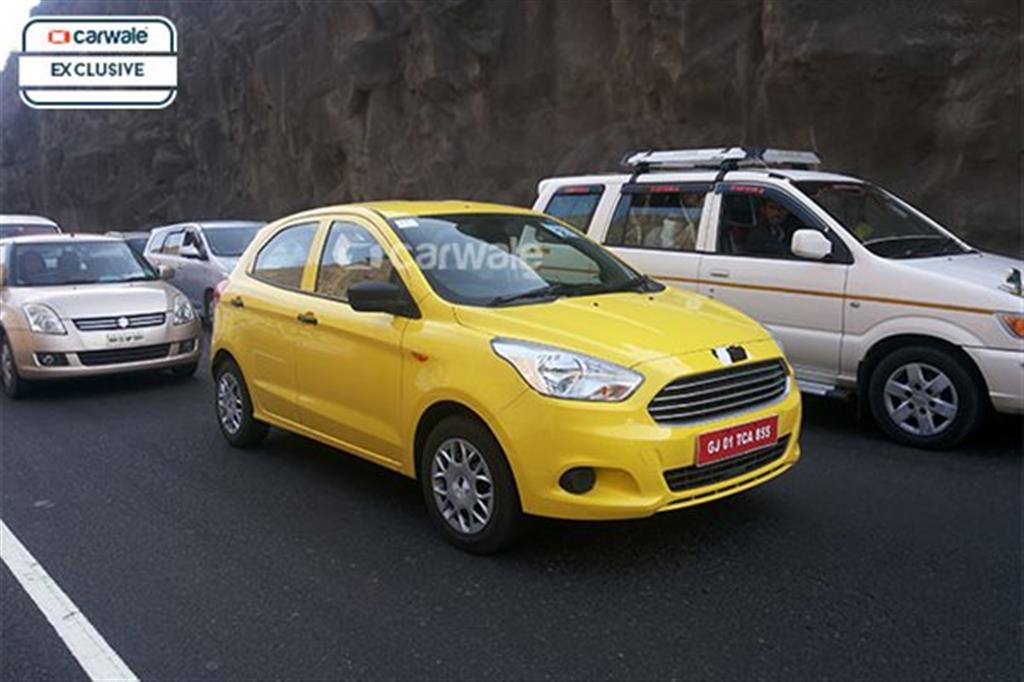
x=42, y=319
x=563, y=374
x=1014, y=323
x=183, y=313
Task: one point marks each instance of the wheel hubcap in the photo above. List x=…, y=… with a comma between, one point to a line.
x=921, y=399
x=462, y=485
x=229, y=403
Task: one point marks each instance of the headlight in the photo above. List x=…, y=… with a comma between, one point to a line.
x=43, y=320
x=183, y=313
x=563, y=374
x=1014, y=323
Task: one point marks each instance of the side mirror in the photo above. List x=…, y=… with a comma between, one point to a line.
x=810, y=244
x=165, y=272
x=191, y=251
x=382, y=297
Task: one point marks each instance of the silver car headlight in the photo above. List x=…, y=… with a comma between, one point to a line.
x=183, y=312
x=42, y=319
x=563, y=374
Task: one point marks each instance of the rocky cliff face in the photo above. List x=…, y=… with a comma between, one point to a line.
x=286, y=105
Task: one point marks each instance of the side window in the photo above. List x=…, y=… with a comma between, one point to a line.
x=575, y=205
x=759, y=223
x=664, y=218
x=158, y=243
x=351, y=255
x=173, y=244
x=282, y=259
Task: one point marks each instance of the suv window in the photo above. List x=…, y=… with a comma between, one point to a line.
x=659, y=217
x=351, y=255
x=283, y=258
x=759, y=222
x=173, y=244
x=575, y=205
x=158, y=242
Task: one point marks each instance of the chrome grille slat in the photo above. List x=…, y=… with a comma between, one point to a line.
x=719, y=392
x=93, y=324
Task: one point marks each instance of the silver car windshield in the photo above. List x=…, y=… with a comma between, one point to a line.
x=44, y=264
x=881, y=222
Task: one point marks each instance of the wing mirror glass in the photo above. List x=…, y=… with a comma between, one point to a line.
x=165, y=272
x=382, y=297
x=810, y=244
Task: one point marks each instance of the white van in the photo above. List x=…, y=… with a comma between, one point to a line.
x=866, y=293
x=18, y=225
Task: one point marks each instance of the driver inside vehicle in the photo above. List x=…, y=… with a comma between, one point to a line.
x=774, y=229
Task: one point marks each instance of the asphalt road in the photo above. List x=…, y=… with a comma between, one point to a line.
x=197, y=561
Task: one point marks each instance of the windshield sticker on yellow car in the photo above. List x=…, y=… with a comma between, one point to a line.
x=405, y=223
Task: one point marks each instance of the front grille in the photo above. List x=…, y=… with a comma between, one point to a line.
x=95, y=324
x=694, y=476
x=117, y=356
x=712, y=394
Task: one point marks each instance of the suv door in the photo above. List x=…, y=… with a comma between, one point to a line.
x=350, y=363
x=752, y=268
x=191, y=268
x=264, y=314
x=655, y=228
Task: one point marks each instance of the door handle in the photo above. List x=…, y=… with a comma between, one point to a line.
x=237, y=302
x=721, y=274
x=307, y=318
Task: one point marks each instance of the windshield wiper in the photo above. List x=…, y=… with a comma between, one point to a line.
x=549, y=291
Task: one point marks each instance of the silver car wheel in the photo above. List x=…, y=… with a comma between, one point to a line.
x=229, y=403
x=7, y=364
x=463, y=486
x=921, y=399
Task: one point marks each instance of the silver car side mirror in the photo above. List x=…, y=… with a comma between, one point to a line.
x=810, y=244
x=165, y=272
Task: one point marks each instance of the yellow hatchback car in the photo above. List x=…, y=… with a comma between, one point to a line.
x=501, y=358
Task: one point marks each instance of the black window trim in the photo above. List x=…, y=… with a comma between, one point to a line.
x=841, y=252
x=317, y=223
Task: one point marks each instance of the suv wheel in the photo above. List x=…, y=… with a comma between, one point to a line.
x=14, y=386
x=468, y=487
x=925, y=397
x=234, y=407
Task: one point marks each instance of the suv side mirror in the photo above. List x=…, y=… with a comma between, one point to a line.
x=191, y=251
x=810, y=244
x=382, y=297
x=165, y=272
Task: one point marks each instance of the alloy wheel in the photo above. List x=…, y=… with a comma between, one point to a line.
x=463, y=486
x=920, y=399
x=229, y=403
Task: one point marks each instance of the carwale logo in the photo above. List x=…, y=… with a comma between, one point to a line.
x=98, y=62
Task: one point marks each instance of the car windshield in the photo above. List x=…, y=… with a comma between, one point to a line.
x=45, y=264
x=18, y=230
x=230, y=242
x=885, y=225
x=494, y=259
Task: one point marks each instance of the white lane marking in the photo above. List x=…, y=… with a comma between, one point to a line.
x=92, y=652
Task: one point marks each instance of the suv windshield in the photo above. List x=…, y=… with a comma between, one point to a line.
x=881, y=222
x=494, y=259
x=56, y=263
x=230, y=242
x=18, y=230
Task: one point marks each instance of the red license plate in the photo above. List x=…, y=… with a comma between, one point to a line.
x=715, y=446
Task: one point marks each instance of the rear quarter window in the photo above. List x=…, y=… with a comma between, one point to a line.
x=575, y=205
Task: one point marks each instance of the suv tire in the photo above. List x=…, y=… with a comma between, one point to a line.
x=475, y=503
x=926, y=397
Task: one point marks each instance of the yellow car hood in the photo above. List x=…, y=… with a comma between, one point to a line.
x=626, y=328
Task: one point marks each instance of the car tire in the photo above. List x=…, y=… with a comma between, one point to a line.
x=185, y=371
x=481, y=514
x=233, y=407
x=208, y=310
x=14, y=386
x=926, y=397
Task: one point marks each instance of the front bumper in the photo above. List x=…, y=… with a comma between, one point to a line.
x=93, y=353
x=1003, y=371
x=630, y=453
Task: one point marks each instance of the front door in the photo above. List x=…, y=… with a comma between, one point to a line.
x=349, y=363
x=752, y=268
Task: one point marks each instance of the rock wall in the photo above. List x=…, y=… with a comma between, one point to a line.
x=285, y=105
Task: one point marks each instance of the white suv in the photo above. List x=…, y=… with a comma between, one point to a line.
x=864, y=292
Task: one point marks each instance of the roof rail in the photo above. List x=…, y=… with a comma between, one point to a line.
x=721, y=158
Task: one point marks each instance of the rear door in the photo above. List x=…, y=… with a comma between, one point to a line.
x=264, y=312
x=752, y=268
x=656, y=229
